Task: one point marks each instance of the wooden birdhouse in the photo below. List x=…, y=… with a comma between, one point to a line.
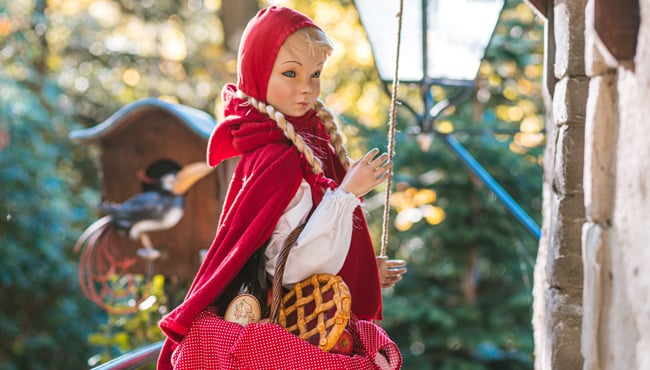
x=134, y=141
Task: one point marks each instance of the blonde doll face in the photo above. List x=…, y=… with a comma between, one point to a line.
x=294, y=84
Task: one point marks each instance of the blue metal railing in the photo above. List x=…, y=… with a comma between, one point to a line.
x=135, y=359
x=425, y=124
x=491, y=183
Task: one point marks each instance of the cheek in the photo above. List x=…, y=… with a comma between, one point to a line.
x=275, y=90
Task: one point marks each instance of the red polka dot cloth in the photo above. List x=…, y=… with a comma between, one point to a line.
x=213, y=343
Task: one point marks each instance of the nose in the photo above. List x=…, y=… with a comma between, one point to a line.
x=306, y=87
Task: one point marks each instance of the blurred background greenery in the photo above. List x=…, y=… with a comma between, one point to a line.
x=69, y=64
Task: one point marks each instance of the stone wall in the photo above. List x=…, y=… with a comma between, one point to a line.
x=592, y=288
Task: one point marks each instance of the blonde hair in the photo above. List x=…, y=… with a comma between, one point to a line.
x=315, y=38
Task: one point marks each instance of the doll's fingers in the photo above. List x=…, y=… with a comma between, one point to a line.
x=369, y=157
x=379, y=161
x=384, y=166
x=395, y=263
x=381, y=158
x=396, y=271
x=382, y=172
x=380, y=164
x=390, y=281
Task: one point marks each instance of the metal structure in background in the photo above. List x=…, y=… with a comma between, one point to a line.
x=443, y=44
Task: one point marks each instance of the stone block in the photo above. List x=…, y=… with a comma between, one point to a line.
x=594, y=239
x=569, y=28
x=564, y=258
x=601, y=132
x=569, y=100
x=568, y=160
x=564, y=317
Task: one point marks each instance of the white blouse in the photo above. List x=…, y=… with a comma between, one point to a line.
x=324, y=242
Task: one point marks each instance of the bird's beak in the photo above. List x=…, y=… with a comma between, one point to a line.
x=189, y=175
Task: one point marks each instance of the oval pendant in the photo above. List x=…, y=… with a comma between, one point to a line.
x=243, y=309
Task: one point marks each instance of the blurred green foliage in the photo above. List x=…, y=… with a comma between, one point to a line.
x=66, y=64
x=44, y=204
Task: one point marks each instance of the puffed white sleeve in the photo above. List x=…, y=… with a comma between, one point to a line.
x=324, y=242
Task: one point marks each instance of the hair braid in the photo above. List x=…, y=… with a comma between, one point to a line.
x=336, y=138
x=289, y=131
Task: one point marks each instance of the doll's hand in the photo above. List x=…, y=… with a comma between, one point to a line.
x=366, y=173
x=390, y=271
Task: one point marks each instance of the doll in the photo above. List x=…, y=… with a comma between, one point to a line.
x=293, y=170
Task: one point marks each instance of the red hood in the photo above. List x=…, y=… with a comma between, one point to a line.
x=259, y=46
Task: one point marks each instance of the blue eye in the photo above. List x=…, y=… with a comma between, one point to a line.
x=289, y=73
x=316, y=74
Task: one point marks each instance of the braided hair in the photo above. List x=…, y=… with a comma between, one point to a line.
x=289, y=131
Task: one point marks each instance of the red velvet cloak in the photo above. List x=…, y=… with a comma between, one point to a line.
x=265, y=180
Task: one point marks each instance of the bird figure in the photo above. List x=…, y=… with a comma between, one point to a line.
x=160, y=206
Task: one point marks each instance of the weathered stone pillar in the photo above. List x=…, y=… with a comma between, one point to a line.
x=612, y=323
x=557, y=315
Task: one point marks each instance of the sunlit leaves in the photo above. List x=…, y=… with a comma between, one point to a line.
x=433, y=214
x=137, y=50
x=131, y=77
x=5, y=25
x=509, y=80
x=531, y=124
x=107, y=13
x=414, y=205
x=533, y=71
x=444, y=126
x=172, y=42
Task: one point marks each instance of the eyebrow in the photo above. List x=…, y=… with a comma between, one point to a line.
x=294, y=61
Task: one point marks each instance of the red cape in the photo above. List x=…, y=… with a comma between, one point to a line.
x=265, y=180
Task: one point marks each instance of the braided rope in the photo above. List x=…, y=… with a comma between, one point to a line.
x=391, y=132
